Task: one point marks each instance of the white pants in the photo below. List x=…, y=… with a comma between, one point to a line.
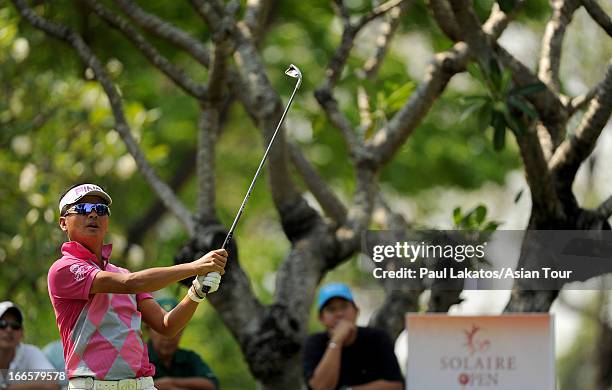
x=145, y=383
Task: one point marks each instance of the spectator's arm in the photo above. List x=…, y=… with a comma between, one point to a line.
x=380, y=385
x=327, y=373
x=167, y=323
x=194, y=383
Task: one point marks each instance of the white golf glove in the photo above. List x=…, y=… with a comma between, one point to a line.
x=212, y=280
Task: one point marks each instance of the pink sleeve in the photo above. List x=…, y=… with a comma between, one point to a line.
x=71, y=279
x=141, y=296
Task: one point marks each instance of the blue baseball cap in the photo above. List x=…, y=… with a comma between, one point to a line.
x=333, y=290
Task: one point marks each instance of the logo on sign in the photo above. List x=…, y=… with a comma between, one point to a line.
x=474, y=344
x=479, y=367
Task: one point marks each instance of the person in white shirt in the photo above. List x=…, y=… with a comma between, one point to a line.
x=16, y=356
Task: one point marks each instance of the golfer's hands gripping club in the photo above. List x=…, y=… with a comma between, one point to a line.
x=210, y=267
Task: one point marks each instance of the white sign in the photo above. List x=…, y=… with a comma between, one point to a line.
x=506, y=352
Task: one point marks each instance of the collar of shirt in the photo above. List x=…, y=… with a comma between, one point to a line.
x=78, y=250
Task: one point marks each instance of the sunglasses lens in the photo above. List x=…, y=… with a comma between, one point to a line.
x=102, y=209
x=14, y=325
x=86, y=208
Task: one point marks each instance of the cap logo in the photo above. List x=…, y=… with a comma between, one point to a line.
x=85, y=188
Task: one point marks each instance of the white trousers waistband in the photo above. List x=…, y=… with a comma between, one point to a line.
x=144, y=383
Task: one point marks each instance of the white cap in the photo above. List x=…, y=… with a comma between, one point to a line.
x=8, y=305
x=80, y=191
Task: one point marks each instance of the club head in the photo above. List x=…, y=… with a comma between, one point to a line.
x=294, y=72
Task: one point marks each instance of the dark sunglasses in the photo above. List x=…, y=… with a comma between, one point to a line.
x=15, y=325
x=86, y=208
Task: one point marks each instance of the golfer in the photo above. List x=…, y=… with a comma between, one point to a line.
x=99, y=306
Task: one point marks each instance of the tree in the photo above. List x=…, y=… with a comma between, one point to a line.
x=270, y=336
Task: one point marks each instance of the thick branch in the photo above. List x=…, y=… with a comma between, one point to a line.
x=340, y=56
x=165, y=30
x=330, y=105
x=579, y=102
x=363, y=104
x=552, y=42
x=599, y=15
x=444, y=17
x=378, y=11
x=387, y=141
x=89, y=59
x=539, y=179
x=147, y=220
x=348, y=236
x=256, y=15
x=263, y=102
x=208, y=124
x=387, y=31
x=573, y=151
x=538, y=176
x=547, y=103
x=402, y=296
x=549, y=106
x=211, y=12
x=175, y=73
x=326, y=197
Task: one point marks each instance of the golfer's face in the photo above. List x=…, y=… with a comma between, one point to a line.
x=85, y=227
x=9, y=337
x=337, y=309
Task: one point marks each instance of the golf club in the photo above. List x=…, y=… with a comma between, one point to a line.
x=294, y=72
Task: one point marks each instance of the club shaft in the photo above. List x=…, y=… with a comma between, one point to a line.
x=261, y=164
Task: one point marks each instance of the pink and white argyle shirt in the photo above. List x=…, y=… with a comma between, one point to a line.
x=100, y=332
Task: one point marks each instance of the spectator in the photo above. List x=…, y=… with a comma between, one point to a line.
x=347, y=356
x=17, y=356
x=177, y=368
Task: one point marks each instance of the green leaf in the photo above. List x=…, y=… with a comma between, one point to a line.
x=471, y=99
x=505, y=80
x=517, y=126
x=529, y=89
x=495, y=74
x=499, y=130
x=398, y=98
x=475, y=71
x=484, y=117
x=524, y=107
x=479, y=213
x=471, y=109
x=457, y=216
x=491, y=226
x=506, y=5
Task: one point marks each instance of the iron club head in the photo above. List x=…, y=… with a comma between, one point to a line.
x=294, y=72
